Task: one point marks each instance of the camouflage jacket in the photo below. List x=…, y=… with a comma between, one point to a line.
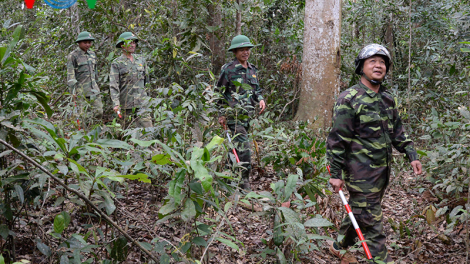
x=82, y=73
x=127, y=81
x=365, y=127
x=234, y=73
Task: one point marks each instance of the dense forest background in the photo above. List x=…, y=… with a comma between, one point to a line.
x=105, y=193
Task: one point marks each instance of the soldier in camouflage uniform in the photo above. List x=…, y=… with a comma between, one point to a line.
x=366, y=124
x=82, y=75
x=239, y=86
x=128, y=76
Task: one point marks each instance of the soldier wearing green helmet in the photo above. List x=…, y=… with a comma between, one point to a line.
x=82, y=76
x=241, y=93
x=128, y=76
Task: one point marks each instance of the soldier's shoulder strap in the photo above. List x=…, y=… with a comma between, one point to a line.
x=351, y=93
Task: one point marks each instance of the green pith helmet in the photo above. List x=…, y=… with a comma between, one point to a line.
x=125, y=36
x=84, y=35
x=240, y=41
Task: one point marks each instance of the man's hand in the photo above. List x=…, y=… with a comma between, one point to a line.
x=222, y=121
x=116, y=108
x=262, y=106
x=417, y=167
x=337, y=184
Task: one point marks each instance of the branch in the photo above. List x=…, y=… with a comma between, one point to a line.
x=81, y=197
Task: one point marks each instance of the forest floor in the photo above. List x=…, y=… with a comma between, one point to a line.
x=419, y=242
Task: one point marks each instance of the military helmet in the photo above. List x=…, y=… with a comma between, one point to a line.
x=369, y=51
x=125, y=36
x=84, y=35
x=240, y=41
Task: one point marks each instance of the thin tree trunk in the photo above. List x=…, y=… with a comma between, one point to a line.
x=238, y=30
x=216, y=40
x=321, y=62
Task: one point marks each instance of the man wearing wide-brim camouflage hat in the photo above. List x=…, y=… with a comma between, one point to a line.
x=128, y=76
x=366, y=125
x=238, y=83
x=82, y=76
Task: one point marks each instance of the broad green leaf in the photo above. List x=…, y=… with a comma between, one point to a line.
x=175, y=185
x=2, y=260
x=196, y=187
x=59, y=224
x=161, y=159
x=189, y=210
x=20, y=193
x=216, y=141
x=43, y=99
x=199, y=241
x=228, y=243
x=43, y=248
x=167, y=208
x=112, y=143
x=4, y=231
x=464, y=49
x=139, y=176
x=80, y=168
x=290, y=186
x=15, y=38
x=317, y=222
x=143, y=143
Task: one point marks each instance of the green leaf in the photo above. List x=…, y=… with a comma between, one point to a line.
x=228, y=243
x=143, y=143
x=167, y=208
x=67, y=218
x=290, y=186
x=59, y=224
x=15, y=38
x=161, y=159
x=2, y=260
x=189, y=210
x=216, y=141
x=196, y=187
x=43, y=99
x=317, y=222
x=4, y=231
x=175, y=185
x=464, y=49
x=139, y=176
x=43, y=248
x=206, y=156
x=112, y=143
x=20, y=193
x=199, y=241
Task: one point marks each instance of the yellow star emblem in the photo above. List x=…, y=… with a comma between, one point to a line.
x=254, y=76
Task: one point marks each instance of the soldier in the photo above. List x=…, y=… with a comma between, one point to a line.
x=239, y=86
x=82, y=75
x=366, y=125
x=129, y=74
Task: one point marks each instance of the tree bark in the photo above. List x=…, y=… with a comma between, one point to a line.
x=321, y=62
x=238, y=30
x=216, y=40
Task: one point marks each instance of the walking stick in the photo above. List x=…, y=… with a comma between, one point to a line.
x=353, y=220
x=230, y=141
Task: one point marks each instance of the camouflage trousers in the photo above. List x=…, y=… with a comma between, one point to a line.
x=368, y=213
x=90, y=109
x=241, y=141
x=130, y=118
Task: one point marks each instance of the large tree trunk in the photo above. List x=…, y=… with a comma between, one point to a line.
x=216, y=39
x=320, y=62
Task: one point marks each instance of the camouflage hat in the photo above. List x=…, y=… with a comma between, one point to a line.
x=125, y=36
x=85, y=35
x=240, y=41
x=369, y=51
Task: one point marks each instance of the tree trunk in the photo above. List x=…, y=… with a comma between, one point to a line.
x=238, y=30
x=321, y=62
x=216, y=39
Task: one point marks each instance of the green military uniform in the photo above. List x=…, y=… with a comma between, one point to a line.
x=127, y=87
x=238, y=103
x=366, y=125
x=359, y=148
x=82, y=76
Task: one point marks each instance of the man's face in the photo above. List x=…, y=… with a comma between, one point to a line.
x=129, y=48
x=242, y=54
x=375, y=68
x=85, y=45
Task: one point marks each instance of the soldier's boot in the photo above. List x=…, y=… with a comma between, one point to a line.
x=245, y=184
x=345, y=258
